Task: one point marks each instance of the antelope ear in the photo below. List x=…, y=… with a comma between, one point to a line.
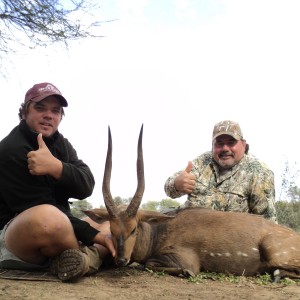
x=99, y=215
x=153, y=216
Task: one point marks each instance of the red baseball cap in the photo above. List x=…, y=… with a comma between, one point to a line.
x=42, y=90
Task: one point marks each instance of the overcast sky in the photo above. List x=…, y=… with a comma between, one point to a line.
x=178, y=67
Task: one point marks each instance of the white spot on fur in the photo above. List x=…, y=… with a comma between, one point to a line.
x=254, y=249
x=227, y=254
x=293, y=248
x=211, y=254
x=239, y=253
x=219, y=254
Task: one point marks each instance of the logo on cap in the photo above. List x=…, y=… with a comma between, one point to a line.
x=49, y=88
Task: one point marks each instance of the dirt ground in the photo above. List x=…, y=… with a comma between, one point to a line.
x=133, y=283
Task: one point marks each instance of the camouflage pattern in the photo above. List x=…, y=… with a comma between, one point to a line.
x=227, y=127
x=247, y=187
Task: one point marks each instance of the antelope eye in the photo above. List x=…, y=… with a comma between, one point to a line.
x=133, y=231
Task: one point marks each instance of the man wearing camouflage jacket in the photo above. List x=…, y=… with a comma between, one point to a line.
x=226, y=178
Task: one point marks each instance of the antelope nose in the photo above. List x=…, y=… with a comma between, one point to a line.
x=121, y=261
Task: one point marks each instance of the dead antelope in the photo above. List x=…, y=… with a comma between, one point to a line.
x=196, y=239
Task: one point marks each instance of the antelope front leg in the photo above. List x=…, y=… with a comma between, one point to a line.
x=171, y=270
x=169, y=263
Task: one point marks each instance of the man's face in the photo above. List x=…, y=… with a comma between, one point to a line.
x=44, y=116
x=227, y=151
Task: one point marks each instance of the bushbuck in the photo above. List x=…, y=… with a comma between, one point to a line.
x=195, y=239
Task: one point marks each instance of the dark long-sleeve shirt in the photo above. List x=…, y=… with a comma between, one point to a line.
x=19, y=190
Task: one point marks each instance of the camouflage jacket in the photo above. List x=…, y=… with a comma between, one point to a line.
x=247, y=187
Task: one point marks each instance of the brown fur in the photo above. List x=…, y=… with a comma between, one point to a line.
x=199, y=239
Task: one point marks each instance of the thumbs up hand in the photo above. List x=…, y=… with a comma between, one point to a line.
x=185, y=182
x=42, y=162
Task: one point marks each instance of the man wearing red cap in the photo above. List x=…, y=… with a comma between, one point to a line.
x=227, y=178
x=39, y=173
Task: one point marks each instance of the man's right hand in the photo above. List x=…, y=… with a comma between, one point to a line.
x=42, y=162
x=186, y=181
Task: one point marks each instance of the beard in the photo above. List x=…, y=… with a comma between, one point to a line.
x=226, y=164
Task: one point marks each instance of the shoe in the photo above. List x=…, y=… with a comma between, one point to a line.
x=94, y=258
x=53, y=267
x=72, y=265
x=75, y=263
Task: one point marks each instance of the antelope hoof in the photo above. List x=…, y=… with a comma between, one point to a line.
x=188, y=273
x=276, y=276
